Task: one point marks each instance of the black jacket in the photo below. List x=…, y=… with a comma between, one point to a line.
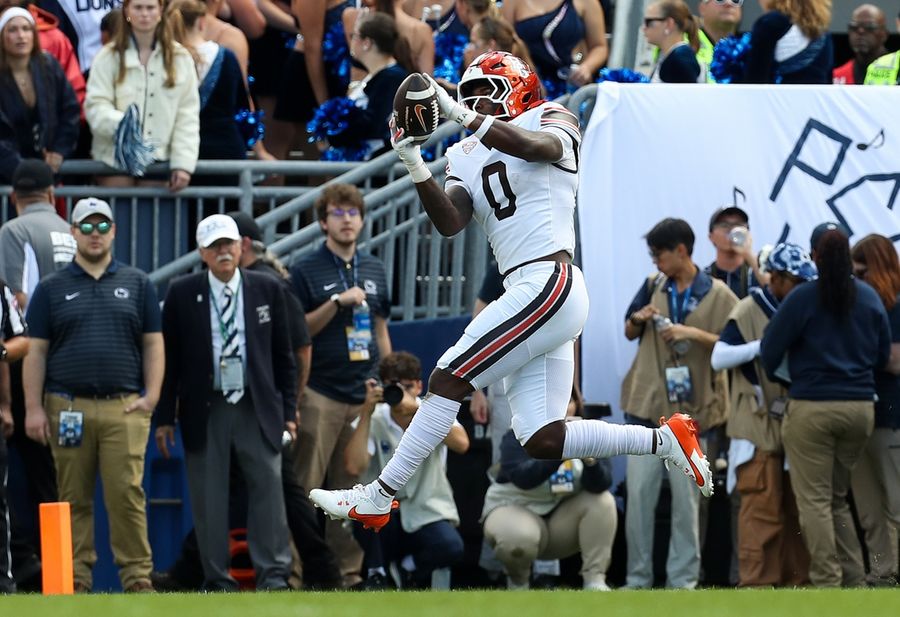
x=271, y=370
x=57, y=110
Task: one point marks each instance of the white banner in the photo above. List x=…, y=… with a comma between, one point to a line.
x=790, y=156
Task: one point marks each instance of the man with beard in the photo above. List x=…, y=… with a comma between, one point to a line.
x=91, y=380
x=345, y=296
x=867, y=34
x=231, y=376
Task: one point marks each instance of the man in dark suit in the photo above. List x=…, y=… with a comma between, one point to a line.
x=231, y=376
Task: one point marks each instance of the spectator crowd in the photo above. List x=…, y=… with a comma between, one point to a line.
x=284, y=380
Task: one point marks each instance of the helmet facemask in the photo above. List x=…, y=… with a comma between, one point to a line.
x=501, y=90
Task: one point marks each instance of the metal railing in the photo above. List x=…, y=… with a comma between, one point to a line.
x=430, y=276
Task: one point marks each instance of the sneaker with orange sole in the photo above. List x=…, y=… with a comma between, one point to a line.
x=355, y=504
x=678, y=444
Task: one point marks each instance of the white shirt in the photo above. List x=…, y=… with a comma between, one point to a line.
x=535, y=202
x=217, y=293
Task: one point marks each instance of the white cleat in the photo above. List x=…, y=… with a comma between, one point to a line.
x=680, y=446
x=355, y=504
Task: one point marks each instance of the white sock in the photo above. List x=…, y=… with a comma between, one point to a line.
x=428, y=428
x=598, y=439
x=408, y=563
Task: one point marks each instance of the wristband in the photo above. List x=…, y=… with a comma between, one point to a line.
x=462, y=115
x=485, y=127
x=419, y=173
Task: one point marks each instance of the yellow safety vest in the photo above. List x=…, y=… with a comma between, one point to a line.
x=884, y=71
x=705, y=54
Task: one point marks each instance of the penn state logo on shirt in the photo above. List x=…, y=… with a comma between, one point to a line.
x=370, y=287
x=385, y=446
x=121, y=292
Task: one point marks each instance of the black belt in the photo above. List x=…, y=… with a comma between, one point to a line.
x=93, y=395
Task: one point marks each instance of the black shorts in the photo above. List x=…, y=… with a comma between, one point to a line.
x=268, y=55
x=296, y=101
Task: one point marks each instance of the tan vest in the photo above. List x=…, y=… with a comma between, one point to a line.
x=644, y=389
x=748, y=420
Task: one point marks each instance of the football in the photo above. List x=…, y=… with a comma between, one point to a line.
x=416, y=108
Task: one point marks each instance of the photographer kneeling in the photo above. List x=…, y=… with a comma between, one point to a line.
x=422, y=534
x=537, y=509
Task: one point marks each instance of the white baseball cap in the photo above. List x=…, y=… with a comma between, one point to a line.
x=216, y=227
x=88, y=206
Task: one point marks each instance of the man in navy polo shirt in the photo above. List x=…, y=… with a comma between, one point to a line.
x=92, y=379
x=345, y=296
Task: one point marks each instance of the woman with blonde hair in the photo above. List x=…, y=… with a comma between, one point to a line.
x=669, y=26
x=145, y=73
x=791, y=44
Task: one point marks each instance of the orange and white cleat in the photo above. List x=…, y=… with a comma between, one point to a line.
x=356, y=504
x=679, y=445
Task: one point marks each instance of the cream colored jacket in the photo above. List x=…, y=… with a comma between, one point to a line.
x=170, y=117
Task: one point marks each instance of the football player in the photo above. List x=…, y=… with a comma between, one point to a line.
x=517, y=175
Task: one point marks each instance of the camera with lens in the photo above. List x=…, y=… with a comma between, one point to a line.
x=392, y=393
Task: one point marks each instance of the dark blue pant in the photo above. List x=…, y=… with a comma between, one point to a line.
x=436, y=545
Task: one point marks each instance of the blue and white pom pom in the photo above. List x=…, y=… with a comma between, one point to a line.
x=250, y=124
x=623, y=76
x=729, y=63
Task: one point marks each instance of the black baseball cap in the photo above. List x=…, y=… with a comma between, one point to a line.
x=247, y=226
x=32, y=175
x=724, y=211
x=820, y=230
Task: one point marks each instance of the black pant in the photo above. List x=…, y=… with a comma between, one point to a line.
x=7, y=584
x=37, y=461
x=320, y=566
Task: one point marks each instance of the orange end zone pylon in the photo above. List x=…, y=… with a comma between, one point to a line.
x=56, y=548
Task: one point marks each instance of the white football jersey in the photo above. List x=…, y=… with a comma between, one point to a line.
x=526, y=209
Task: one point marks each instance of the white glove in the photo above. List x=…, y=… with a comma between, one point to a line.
x=409, y=153
x=451, y=109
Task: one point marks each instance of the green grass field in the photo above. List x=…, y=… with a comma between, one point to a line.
x=712, y=603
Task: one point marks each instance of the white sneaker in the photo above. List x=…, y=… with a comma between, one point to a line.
x=356, y=504
x=598, y=584
x=680, y=446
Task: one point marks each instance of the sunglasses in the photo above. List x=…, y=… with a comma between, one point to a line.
x=648, y=21
x=862, y=28
x=342, y=212
x=88, y=228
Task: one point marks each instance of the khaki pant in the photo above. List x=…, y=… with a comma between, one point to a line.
x=823, y=440
x=876, y=491
x=769, y=548
x=325, y=429
x=115, y=444
x=585, y=522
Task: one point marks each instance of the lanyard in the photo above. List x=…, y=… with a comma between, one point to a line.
x=679, y=314
x=223, y=326
x=341, y=266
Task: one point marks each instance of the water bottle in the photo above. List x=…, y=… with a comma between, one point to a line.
x=738, y=236
x=662, y=324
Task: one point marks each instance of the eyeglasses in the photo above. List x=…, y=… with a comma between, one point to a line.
x=342, y=212
x=88, y=228
x=721, y=2
x=859, y=28
x=648, y=21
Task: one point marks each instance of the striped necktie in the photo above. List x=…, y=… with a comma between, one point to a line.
x=230, y=347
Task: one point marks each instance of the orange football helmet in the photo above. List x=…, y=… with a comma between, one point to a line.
x=516, y=88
